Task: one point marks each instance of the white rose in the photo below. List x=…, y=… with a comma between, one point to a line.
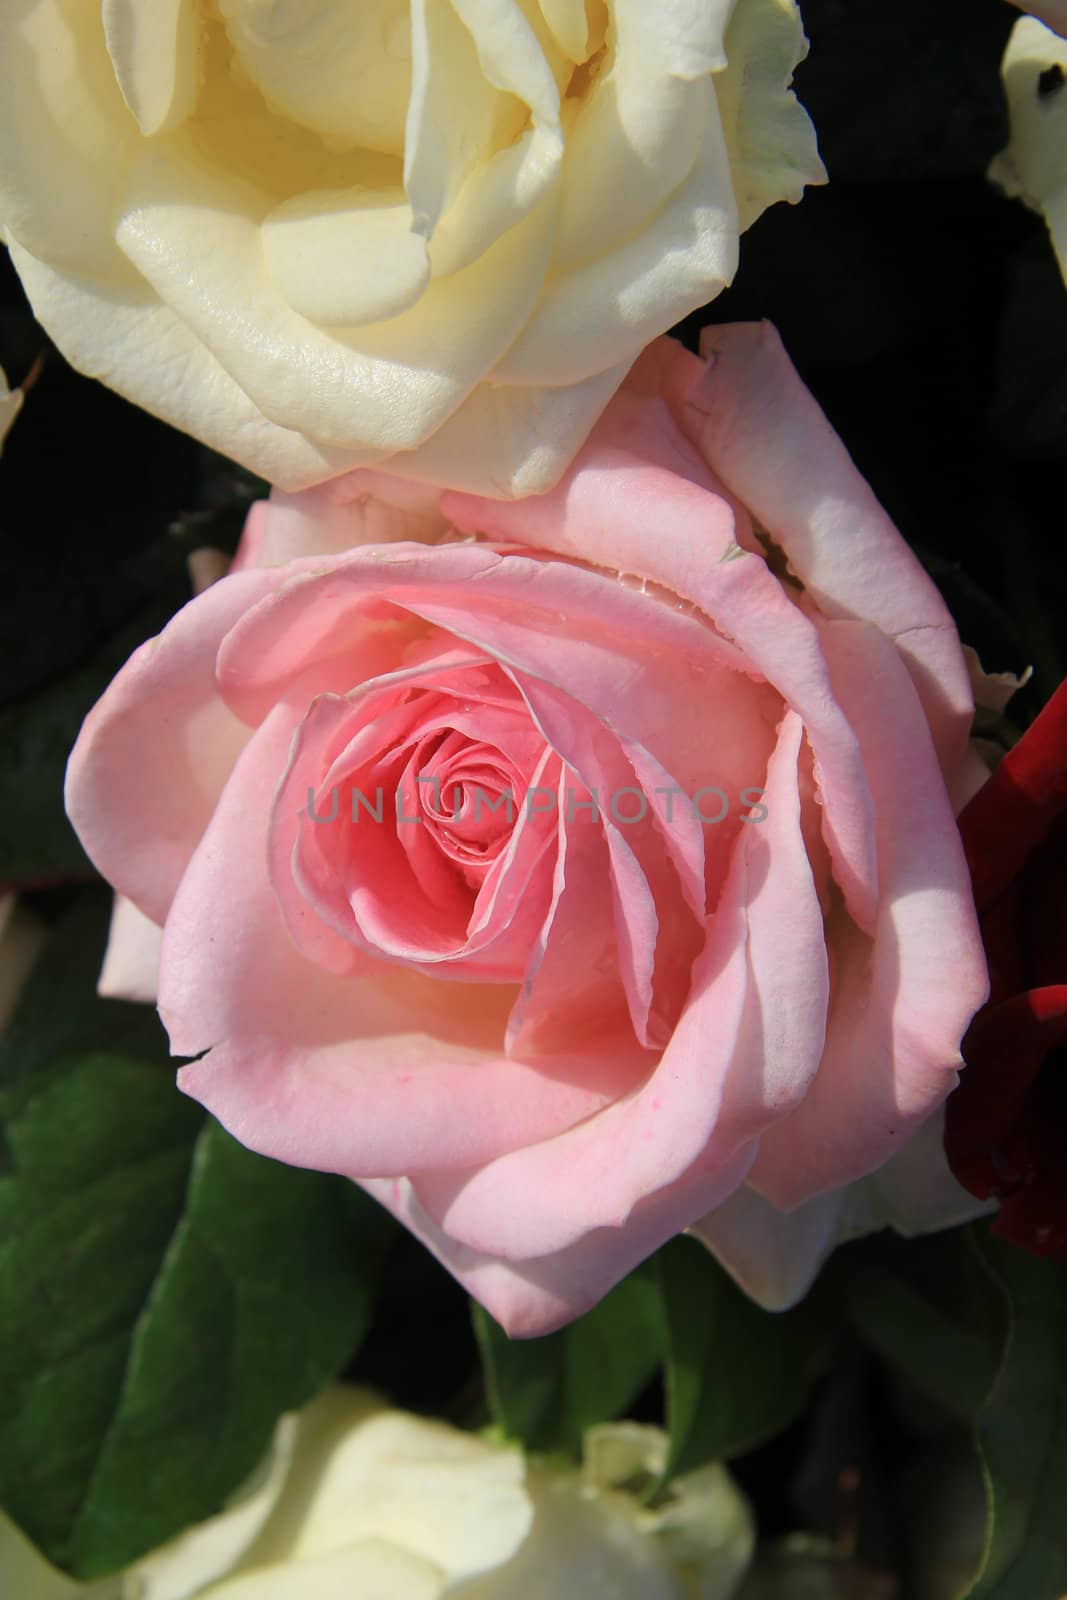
x=1034, y=166
x=357, y=1500
x=319, y=234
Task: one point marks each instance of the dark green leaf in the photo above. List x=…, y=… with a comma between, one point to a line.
x=736, y=1374
x=164, y=1293
x=262, y=1295
x=60, y=1013
x=546, y=1392
x=926, y=1308
x=1022, y=1433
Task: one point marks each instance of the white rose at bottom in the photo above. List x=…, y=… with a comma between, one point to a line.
x=358, y=1502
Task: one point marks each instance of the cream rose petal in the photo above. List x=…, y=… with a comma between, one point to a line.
x=685, y=258
x=496, y=197
x=455, y=113
x=773, y=153
x=397, y=382
x=636, y=136
x=607, y=194
x=342, y=70
x=129, y=339
x=1034, y=166
x=371, y=1569
x=704, y=1523
x=66, y=135
x=461, y=200
x=510, y=55
x=512, y=441
x=346, y=256
x=361, y=1473
x=154, y=47
x=445, y=1496
x=570, y=25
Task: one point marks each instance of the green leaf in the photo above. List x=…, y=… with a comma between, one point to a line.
x=164, y=1293
x=262, y=1295
x=736, y=1374
x=926, y=1308
x=979, y=1326
x=547, y=1392
x=59, y=1011
x=1022, y=1433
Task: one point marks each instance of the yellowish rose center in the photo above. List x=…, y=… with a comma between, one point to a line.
x=238, y=129
x=343, y=71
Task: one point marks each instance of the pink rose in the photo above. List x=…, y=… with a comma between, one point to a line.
x=551, y=1039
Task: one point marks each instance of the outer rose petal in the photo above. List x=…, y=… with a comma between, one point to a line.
x=621, y=653
x=57, y=74
x=125, y=336
x=772, y=146
x=503, y=440
x=361, y=507
x=796, y=477
x=689, y=255
x=776, y=1255
x=536, y=1296
x=901, y=1002
x=154, y=752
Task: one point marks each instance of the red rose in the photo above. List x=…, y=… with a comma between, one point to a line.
x=1006, y=1126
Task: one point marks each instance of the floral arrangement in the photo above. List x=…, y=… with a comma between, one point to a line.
x=533, y=963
